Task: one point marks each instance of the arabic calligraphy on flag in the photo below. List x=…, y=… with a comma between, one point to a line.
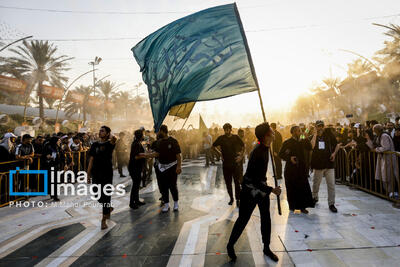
x=200, y=57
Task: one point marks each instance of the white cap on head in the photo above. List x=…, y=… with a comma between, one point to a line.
x=357, y=125
x=9, y=135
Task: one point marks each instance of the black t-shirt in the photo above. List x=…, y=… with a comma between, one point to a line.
x=153, y=145
x=136, y=165
x=324, y=147
x=102, y=159
x=38, y=148
x=56, y=156
x=24, y=149
x=167, y=149
x=257, y=169
x=230, y=147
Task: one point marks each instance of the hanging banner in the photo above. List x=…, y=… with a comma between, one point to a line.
x=75, y=97
x=52, y=92
x=94, y=101
x=12, y=85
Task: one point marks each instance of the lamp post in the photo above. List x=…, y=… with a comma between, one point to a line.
x=67, y=88
x=96, y=61
x=366, y=59
x=98, y=81
x=4, y=47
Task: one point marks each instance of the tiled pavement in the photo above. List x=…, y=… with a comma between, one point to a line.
x=365, y=231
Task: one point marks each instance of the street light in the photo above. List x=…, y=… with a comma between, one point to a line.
x=66, y=89
x=366, y=59
x=4, y=47
x=98, y=81
x=96, y=61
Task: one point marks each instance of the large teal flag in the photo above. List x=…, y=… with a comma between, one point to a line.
x=200, y=57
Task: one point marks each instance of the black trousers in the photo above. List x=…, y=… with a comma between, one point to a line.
x=168, y=181
x=157, y=172
x=234, y=173
x=247, y=205
x=136, y=178
x=104, y=200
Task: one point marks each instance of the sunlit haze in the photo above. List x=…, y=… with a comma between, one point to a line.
x=294, y=44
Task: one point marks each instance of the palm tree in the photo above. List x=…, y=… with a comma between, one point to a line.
x=107, y=88
x=389, y=57
x=38, y=61
x=124, y=101
x=72, y=107
x=50, y=102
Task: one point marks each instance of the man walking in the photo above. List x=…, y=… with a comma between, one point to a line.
x=324, y=149
x=296, y=173
x=256, y=192
x=101, y=170
x=169, y=166
x=232, y=150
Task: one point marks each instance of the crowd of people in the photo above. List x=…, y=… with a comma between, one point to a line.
x=305, y=149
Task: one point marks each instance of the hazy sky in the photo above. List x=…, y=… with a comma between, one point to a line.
x=293, y=43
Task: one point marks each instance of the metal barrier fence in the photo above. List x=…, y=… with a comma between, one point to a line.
x=75, y=161
x=372, y=172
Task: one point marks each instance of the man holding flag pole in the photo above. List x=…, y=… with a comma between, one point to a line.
x=205, y=56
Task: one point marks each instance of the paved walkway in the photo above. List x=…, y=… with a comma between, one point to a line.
x=365, y=231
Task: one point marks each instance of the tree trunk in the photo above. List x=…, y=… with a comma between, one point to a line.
x=84, y=112
x=41, y=109
x=28, y=92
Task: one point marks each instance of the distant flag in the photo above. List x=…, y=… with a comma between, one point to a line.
x=200, y=57
x=202, y=126
x=182, y=111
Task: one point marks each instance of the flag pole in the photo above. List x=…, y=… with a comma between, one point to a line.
x=253, y=72
x=185, y=122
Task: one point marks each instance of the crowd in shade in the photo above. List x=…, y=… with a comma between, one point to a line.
x=197, y=143
x=71, y=151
